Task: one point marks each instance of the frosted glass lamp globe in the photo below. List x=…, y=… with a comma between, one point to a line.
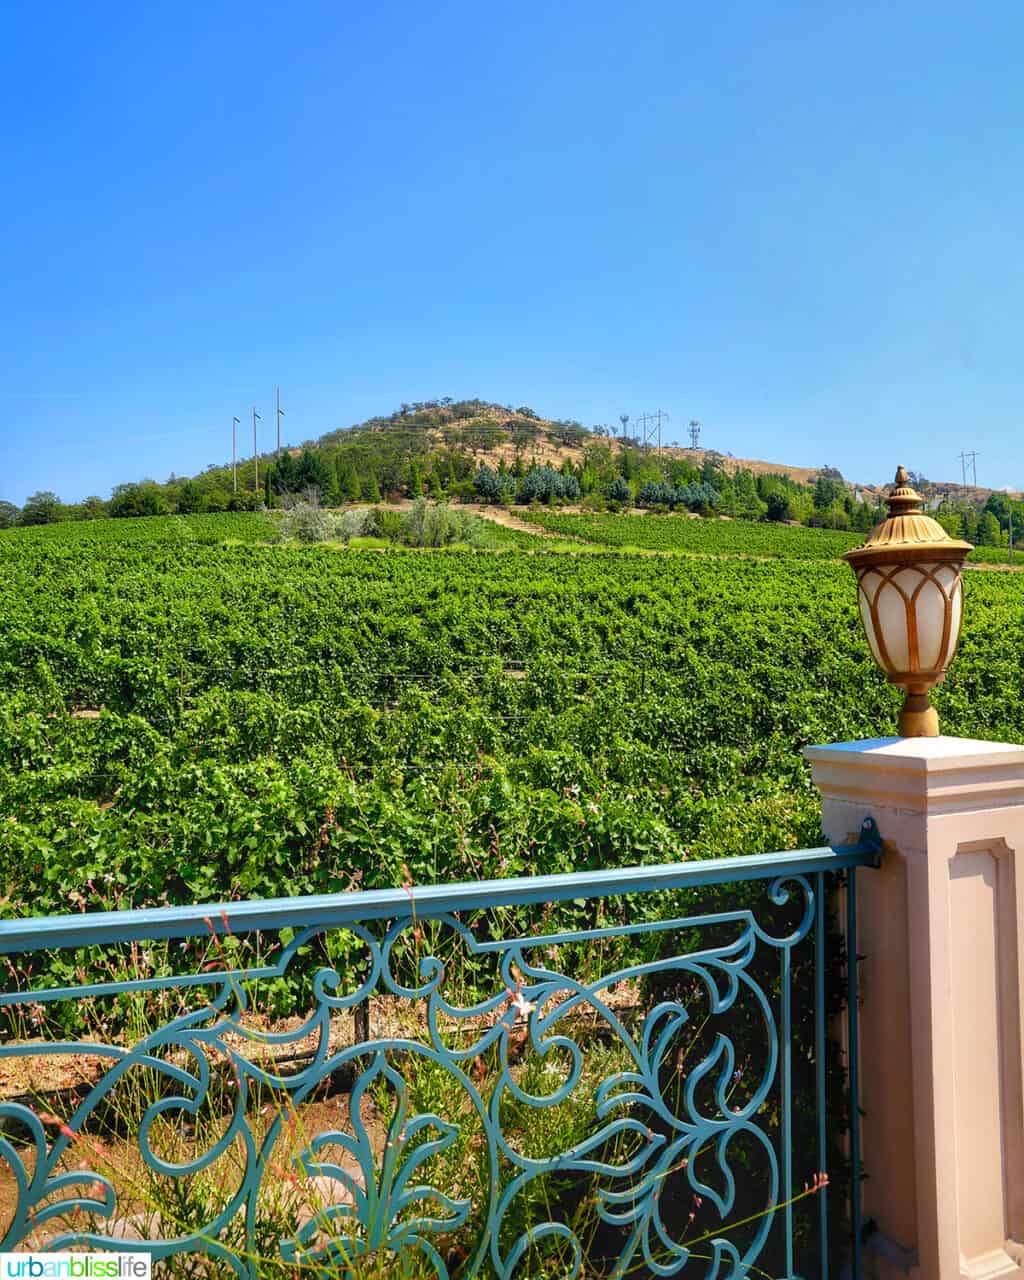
x=910, y=593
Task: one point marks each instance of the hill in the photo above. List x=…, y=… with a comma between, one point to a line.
x=493, y=433
x=466, y=450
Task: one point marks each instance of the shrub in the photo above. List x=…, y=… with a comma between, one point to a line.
x=545, y=484
x=494, y=486
x=305, y=522
x=357, y=523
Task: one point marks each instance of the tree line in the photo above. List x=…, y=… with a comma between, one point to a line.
x=433, y=448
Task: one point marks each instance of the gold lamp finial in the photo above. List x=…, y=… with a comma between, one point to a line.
x=911, y=601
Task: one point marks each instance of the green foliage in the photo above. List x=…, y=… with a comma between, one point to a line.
x=285, y=474
x=694, y=497
x=189, y=498
x=988, y=533
x=41, y=508
x=305, y=522
x=494, y=486
x=706, y=537
x=545, y=484
x=252, y=696
x=312, y=473
x=145, y=499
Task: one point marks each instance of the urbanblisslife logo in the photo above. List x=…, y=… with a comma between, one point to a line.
x=75, y=1266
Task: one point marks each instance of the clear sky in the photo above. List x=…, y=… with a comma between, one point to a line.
x=799, y=222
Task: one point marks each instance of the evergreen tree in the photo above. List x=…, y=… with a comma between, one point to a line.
x=745, y=500
x=989, y=534
x=414, y=480
x=349, y=487
x=312, y=472
x=286, y=478
x=370, y=487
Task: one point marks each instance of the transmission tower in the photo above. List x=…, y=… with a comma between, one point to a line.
x=694, y=433
x=969, y=462
x=650, y=428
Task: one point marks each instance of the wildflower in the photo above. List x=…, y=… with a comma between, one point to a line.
x=519, y=1002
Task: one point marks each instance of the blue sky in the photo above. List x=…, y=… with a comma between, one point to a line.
x=798, y=222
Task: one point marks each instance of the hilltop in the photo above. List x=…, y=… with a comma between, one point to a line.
x=493, y=433
x=472, y=449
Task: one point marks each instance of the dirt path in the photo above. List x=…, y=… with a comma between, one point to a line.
x=503, y=516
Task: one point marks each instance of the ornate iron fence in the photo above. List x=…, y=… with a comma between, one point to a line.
x=641, y=1086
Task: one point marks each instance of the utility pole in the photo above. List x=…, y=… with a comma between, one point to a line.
x=694, y=434
x=234, y=454
x=255, y=454
x=650, y=428
x=970, y=460
x=280, y=415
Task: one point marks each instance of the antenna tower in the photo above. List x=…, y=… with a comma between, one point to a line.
x=694, y=433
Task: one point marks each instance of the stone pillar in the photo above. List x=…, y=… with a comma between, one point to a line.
x=941, y=1032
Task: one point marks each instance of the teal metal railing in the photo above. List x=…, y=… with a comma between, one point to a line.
x=678, y=1062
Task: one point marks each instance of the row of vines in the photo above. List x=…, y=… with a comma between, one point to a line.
x=183, y=719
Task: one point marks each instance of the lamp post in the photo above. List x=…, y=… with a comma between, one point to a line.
x=911, y=602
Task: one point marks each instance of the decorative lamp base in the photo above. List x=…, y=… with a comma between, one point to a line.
x=918, y=719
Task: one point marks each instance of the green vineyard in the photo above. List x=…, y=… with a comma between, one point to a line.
x=190, y=711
